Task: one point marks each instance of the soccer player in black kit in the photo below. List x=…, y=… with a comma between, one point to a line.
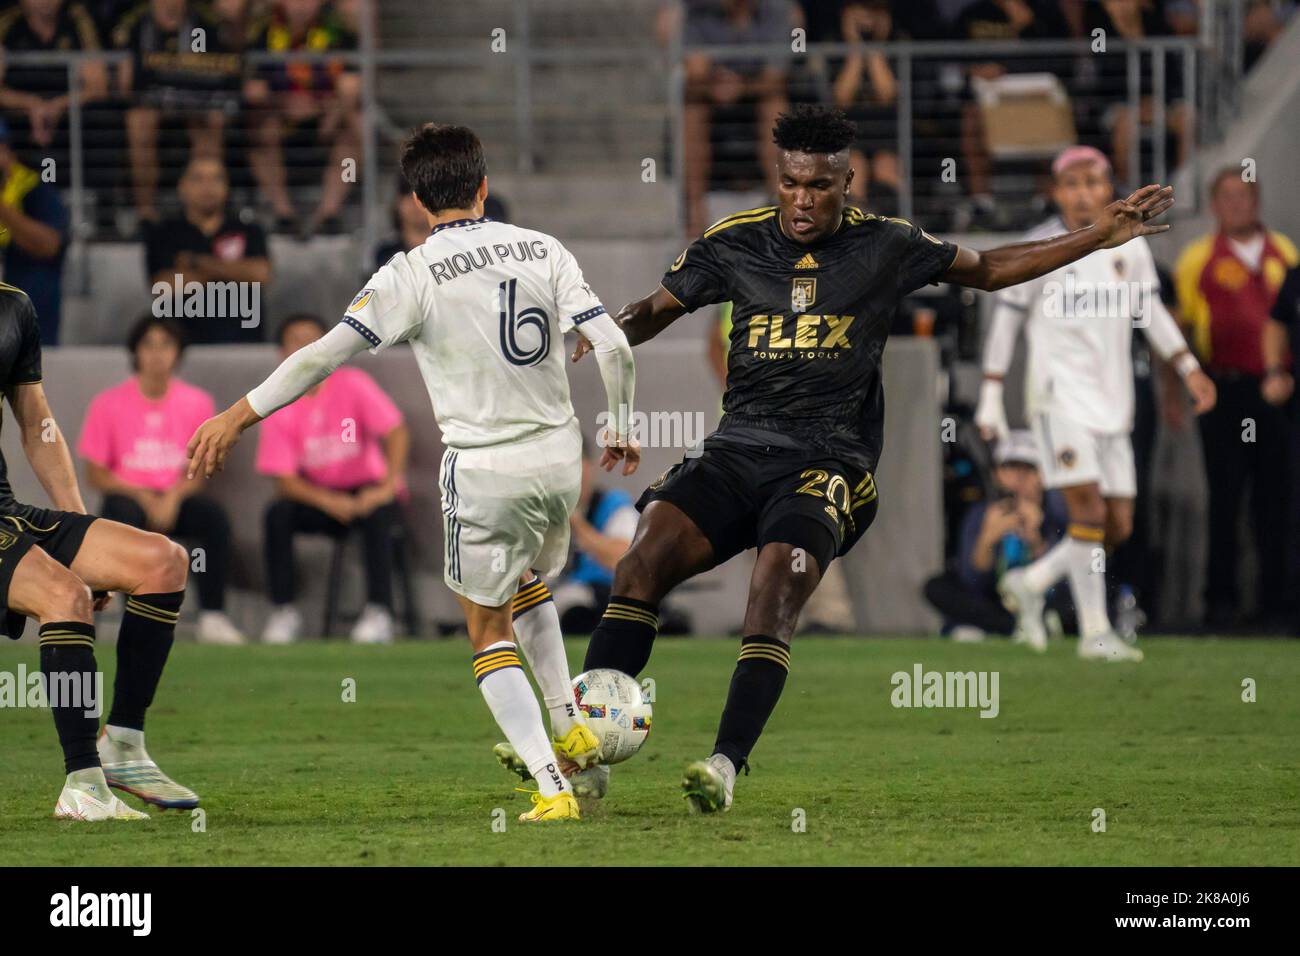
x=50, y=563
x=790, y=469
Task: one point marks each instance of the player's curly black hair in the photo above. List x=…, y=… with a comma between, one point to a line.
x=814, y=129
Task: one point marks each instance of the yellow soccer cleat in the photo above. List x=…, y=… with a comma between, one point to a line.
x=579, y=745
x=562, y=806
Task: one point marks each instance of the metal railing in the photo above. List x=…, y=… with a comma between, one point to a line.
x=1209, y=72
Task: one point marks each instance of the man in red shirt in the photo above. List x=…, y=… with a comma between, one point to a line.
x=1227, y=282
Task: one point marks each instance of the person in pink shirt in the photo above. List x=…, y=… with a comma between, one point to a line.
x=133, y=443
x=338, y=456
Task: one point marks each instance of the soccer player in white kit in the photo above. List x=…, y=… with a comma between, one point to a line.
x=1079, y=324
x=485, y=306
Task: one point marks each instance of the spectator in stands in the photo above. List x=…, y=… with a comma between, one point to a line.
x=409, y=224
x=338, y=456
x=1262, y=23
x=866, y=89
x=1135, y=20
x=411, y=228
x=755, y=82
x=1227, y=282
x=33, y=236
x=133, y=442
x=179, y=70
x=997, y=20
x=205, y=244
x=312, y=106
x=35, y=98
x=1008, y=530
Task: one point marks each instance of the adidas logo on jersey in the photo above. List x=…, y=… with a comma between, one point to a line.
x=807, y=262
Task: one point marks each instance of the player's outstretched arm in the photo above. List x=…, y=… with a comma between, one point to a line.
x=641, y=320
x=1119, y=222
x=300, y=372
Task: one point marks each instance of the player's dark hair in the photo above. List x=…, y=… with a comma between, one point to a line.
x=814, y=129
x=444, y=165
x=289, y=321
x=144, y=325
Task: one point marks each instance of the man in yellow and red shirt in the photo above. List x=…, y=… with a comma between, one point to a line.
x=1227, y=282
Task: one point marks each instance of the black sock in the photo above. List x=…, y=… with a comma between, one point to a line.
x=68, y=666
x=143, y=643
x=623, y=638
x=756, y=686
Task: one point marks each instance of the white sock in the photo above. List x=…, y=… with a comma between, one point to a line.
x=125, y=737
x=537, y=628
x=1088, y=585
x=510, y=698
x=1050, y=568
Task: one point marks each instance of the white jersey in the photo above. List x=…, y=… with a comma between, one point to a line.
x=485, y=306
x=1079, y=324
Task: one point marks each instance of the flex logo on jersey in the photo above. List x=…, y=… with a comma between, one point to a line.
x=803, y=293
x=772, y=332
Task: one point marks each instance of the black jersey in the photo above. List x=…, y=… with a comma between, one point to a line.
x=809, y=324
x=20, y=359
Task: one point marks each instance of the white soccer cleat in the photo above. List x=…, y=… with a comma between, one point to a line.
x=1108, y=647
x=216, y=628
x=374, y=626
x=86, y=797
x=707, y=785
x=129, y=768
x=1027, y=605
x=283, y=626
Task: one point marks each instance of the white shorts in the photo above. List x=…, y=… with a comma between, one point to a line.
x=505, y=510
x=1074, y=454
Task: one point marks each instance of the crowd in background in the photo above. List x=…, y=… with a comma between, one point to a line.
x=732, y=98
x=174, y=132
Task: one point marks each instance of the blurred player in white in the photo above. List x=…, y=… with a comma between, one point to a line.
x=1079, y=324
x=485, y=306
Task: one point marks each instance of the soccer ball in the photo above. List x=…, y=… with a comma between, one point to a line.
x=616, y=711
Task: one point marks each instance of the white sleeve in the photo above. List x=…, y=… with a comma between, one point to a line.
x=305, y=368
x=617, y=370
x=1011, y=307
x=388, y=309
x=1157, y=324
x=579, y=308
x=574, y=298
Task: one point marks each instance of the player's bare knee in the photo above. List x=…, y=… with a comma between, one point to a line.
x=67, y=598
x=637, y=576
x=167, y=566
x=1119, y=528
x=1086, y=506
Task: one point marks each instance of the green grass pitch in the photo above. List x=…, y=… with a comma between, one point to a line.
x=1185, y=771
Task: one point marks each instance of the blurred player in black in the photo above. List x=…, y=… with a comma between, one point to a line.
x=790, y=469
x=50, y=563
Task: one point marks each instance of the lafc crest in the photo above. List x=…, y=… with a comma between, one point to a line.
x=803, y=294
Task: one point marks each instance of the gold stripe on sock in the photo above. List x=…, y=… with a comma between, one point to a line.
x=623, y=612
x=488, y=665
x=161, y=615
x=1086, y=532
x=493, y=661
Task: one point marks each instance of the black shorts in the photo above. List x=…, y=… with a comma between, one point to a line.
x=746, y=496
x=23, y=527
